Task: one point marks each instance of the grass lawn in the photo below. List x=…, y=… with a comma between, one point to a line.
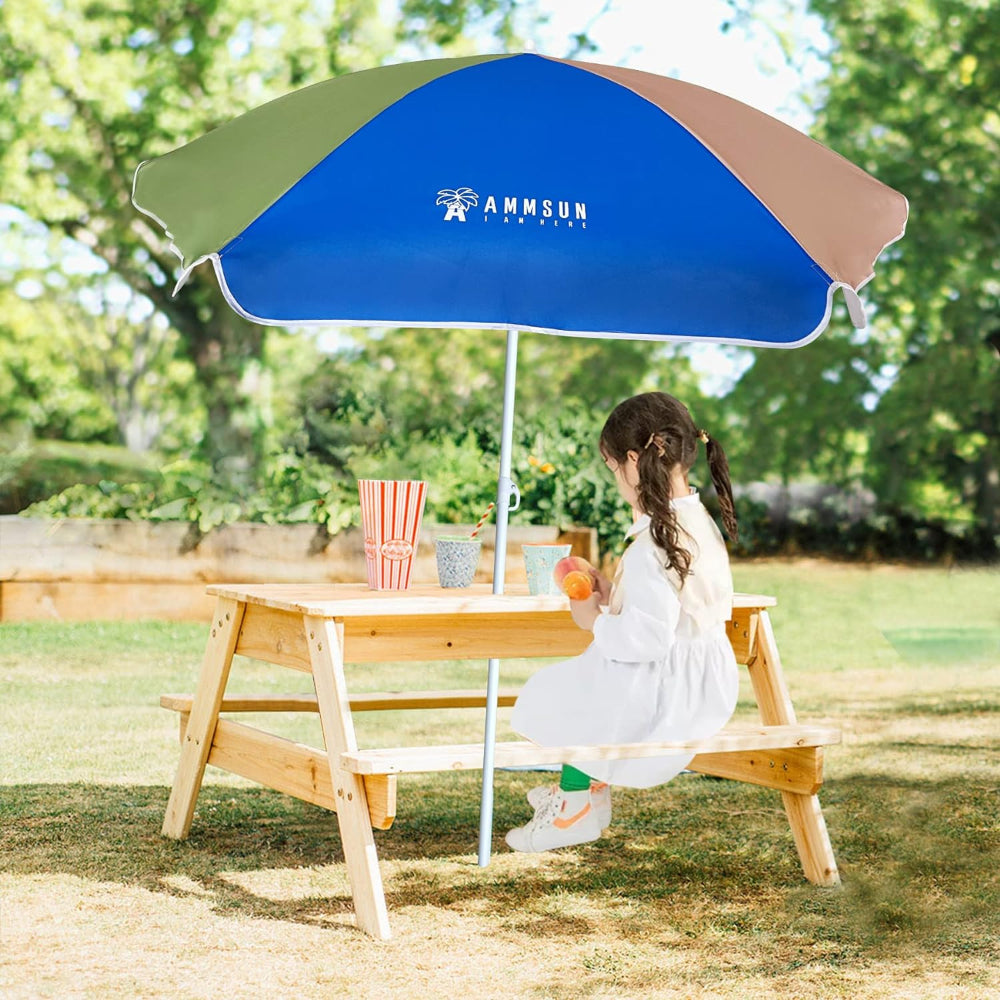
x=694, y=891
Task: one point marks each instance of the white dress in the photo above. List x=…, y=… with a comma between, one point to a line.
x=660, y=667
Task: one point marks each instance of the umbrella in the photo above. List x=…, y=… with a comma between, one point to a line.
x=523, y=192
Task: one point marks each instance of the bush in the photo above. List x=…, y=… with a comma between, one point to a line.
x=562, y=481
x=30, y=472
x=290, y=489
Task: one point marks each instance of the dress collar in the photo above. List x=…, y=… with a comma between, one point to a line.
x=642, y=524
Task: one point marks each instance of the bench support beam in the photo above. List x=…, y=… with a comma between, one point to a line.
x=793, y=770
x=292, y=768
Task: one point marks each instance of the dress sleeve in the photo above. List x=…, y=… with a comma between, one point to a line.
x=647, y=624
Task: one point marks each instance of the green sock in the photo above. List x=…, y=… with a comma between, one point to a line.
x=572, y=780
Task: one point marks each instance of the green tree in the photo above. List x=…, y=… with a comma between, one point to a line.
x=801, y=414
x=911, y=96
x=441, y=384
x=89, y=90
x=82, y=356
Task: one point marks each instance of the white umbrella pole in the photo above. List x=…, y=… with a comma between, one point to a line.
x=505, y=490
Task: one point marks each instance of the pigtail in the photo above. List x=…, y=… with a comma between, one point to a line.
x=658, y=428
x=654, y=499
x=719, y=468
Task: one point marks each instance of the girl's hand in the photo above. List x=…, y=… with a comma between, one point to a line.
x=602, y=586
x=585, y=612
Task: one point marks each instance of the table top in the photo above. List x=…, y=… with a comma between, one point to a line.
x=346, y=600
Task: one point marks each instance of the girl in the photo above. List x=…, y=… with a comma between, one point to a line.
x=660, y=667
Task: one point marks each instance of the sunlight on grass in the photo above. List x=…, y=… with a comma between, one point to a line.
x=695, y=889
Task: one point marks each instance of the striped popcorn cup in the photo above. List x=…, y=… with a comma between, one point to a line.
x=391, y=510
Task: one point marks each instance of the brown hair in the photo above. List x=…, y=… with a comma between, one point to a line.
x=660, y=430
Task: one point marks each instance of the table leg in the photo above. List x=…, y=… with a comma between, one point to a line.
x=326, y=650
x=204, y=715
x=804, y=814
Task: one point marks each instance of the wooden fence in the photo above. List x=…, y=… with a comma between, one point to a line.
x=82, y=569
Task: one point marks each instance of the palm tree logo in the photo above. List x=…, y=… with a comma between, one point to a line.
x=458, y=201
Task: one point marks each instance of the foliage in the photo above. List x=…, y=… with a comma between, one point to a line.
x=801, y=414
x=437, y=383
x=90, y=90
x=909, y=409
x=30, y=471
x=563, y=479
x=911, y=97
x=82, y=357
x=291, y=489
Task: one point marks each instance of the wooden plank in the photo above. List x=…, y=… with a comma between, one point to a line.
x=275, y=636
x=768, y=679
x=795, y=770
x=72, y=601
x=380, y=794
x=805, y=817
x=204, y=715
x=292, y=768
x=101, y=550
x=343, y=601
x=469, y=756
x=377, y=701
x=326, y=645
x=466, y=636
x=282, y=764
x=741, y=630
x=811, y=838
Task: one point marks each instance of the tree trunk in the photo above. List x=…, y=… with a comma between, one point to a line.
x=988, y=490
x=222, y=348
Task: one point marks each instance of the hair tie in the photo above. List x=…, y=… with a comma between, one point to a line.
x=659, y=447
x=703, y=435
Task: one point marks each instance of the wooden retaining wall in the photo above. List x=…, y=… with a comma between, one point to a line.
x=81, y=569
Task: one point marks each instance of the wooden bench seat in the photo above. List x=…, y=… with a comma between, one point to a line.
x=464, y=756
x=786, y=757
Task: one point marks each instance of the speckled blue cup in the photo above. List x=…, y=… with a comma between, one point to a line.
x=539, y=562
x=457, y=559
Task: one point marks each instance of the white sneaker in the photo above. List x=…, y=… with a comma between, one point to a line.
x=600, y=799
x=562, y=820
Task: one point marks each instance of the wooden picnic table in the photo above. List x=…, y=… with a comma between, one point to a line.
x=318, y=628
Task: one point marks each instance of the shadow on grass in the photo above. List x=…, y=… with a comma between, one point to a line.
x=919, y=859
